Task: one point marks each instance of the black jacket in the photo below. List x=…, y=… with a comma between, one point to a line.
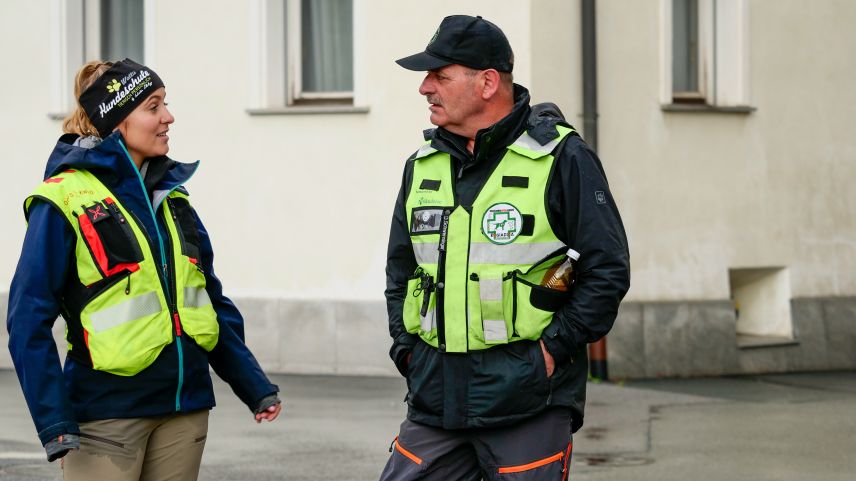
x=507, y=383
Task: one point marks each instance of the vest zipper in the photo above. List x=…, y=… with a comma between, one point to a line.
x=165, y=278
x=441, y=281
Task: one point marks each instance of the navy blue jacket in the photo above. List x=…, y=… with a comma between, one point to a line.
x=60, y=397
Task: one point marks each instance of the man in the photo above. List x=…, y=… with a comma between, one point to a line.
x=496, y=365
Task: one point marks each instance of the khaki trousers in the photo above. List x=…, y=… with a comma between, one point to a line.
x=139, y=449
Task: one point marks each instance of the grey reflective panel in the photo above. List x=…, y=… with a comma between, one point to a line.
x=130, y=310
x=490, y=289
x=527, y=142
x=487, y=253
x=425, y=151
x=425, y=252
x=196, y=297
x=428, y=322
x=494, y=330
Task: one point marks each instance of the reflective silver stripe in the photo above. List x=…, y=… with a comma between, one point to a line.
x=130, y=310
x=494, y=330
x=425, y=151
x=490, y=289
x=528, y=143
x=196, y=297
x=429, y=322
x=487, y=253
x=426, y=252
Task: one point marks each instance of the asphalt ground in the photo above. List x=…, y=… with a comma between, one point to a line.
x=759, y=428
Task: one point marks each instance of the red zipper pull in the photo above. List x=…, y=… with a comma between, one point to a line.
x=177, y=324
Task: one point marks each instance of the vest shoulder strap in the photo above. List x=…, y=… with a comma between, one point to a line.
x=527, y=146
x=67, y=190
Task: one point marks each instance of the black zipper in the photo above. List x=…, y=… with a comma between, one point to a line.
x=178, y=229
x=441, y=280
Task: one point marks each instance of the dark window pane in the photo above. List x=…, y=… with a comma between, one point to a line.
x=122, y=30
x=685, y=46
x=327, y=44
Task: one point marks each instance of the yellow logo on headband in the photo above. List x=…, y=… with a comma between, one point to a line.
x=113, y=86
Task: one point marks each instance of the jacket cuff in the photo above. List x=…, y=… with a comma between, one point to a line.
x=57, y=448
x=266, y=402
x=555, y=345
x=401, y=347
x=52, y=432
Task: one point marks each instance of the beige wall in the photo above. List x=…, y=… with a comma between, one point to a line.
x=703, y=192
x=298, y=205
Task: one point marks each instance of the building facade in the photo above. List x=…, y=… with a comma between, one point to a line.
x=723, y=126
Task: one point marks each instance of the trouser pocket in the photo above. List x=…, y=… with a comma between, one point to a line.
x=554, y=467
x=403, y=465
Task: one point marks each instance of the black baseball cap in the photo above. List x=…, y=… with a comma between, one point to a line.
x=469, y=41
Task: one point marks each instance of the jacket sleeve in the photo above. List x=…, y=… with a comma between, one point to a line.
x=585, y=217
x=33, y=308
x=400, y=264
x=231, y=359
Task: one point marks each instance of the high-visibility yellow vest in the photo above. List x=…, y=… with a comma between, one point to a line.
x=131, y=317
x=480, y=266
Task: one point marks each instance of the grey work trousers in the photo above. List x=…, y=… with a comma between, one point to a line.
x=139, y=449
x=538, y=448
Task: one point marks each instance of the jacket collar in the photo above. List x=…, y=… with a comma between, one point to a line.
x=111, y=159
x=489, y=141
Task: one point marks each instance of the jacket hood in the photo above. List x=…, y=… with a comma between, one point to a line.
x=110, y=155
x=542, y=122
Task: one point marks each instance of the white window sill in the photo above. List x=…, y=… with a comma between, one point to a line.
x=705, y=108
x=310, y=110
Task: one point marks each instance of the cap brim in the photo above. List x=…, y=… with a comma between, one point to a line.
x=422, y=61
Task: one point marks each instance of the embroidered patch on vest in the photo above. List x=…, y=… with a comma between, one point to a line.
x=502, y=223
x=426, y=220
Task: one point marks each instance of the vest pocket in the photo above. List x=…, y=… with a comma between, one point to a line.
x=124, y=333
x=530, y=305
x=109, y=238
x=185, y=224
x=420, y=312
x=488, y=322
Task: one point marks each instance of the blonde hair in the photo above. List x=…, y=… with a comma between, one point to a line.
x=78, y=122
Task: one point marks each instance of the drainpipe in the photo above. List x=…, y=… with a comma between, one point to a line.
x=597, y=350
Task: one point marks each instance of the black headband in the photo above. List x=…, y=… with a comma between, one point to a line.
x=116, y=94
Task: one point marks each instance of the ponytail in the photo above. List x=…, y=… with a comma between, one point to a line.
x=77, y=121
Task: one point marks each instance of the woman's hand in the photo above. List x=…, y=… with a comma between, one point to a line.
x=270, y=413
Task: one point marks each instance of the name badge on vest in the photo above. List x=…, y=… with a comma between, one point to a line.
x=426, y=220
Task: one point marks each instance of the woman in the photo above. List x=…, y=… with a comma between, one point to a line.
x=114, y=246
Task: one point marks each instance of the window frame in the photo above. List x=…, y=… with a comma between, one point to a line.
x=76, y=39
x=275, y=85
x=723, y=58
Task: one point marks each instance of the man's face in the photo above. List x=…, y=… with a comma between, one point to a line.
x=453, y=96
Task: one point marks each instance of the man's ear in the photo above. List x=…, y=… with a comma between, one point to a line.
x=490, y=83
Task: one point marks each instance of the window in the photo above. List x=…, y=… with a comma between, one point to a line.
x=84, y=30
x=685, y=51
x=303, y=52
x=323, y=66
x=120, y=28
x=705, y=48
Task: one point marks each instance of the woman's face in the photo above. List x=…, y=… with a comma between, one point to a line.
x=145, y=129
